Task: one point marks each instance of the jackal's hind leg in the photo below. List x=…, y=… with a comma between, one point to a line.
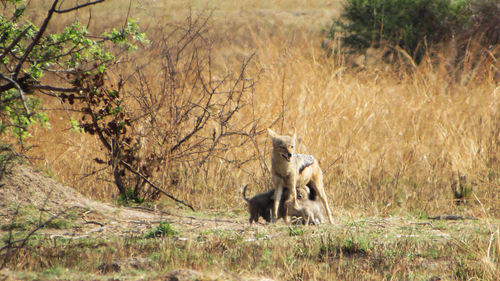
x=317, y=185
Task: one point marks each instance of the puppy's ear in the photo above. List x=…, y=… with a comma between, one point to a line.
x=271, y=133
x=307, y=189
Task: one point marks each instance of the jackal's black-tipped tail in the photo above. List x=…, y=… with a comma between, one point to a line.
x=244, y=191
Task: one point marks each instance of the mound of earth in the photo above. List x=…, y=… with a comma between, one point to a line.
x=23, y=187
x=24, y=190
x=29, y=198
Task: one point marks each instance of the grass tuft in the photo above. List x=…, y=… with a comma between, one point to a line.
x=164, y=229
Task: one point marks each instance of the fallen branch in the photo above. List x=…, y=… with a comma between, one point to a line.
x=423, y=223
x=68, y=237
x=94, y=222
x=84, y=217
x=452, y=217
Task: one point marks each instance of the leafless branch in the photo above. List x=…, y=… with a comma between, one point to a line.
x=78, y=7
x=56, y=89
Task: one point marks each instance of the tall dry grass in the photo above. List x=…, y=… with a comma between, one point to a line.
x=389, y=140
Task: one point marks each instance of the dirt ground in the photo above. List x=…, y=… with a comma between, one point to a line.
x=25, y=186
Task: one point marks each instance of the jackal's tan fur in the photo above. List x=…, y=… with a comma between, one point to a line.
x=289, y=170
x=311, y=211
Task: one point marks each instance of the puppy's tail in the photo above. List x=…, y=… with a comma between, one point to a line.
x=244, y=191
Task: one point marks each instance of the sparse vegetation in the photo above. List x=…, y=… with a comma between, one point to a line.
x=28, y=217
x=129, y=197
x=296, y=230
x=327, y=252
x=162, y=230
x=8, y=157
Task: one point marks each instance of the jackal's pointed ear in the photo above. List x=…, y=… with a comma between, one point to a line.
x=271, y=133
x=294, y=134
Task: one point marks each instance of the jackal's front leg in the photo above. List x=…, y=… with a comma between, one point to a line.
x=291, y=184
x=278, y=191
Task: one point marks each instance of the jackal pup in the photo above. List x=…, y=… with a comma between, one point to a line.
x=310, y=210
x=290, y=170
x=261, y=205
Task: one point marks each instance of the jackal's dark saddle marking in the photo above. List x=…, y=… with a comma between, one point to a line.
x=304, y=161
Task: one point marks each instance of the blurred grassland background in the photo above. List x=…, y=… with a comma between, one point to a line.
x=391, y=138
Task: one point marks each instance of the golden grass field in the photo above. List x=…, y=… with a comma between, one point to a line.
x=388, y=140
x=393, y=139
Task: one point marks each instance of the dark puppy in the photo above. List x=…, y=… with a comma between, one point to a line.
x=261, y=205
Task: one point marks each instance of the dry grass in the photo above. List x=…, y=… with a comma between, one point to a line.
x=388, y=140
x=364, y=249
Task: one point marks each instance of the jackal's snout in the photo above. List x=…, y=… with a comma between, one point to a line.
x=287, y=155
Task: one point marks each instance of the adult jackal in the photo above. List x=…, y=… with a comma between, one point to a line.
x=290, y=170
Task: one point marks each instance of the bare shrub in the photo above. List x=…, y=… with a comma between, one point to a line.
x=171, y=113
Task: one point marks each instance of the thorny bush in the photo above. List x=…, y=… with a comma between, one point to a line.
x=174, y=113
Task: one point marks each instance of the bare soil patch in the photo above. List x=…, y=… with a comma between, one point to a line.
x=24, y=186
